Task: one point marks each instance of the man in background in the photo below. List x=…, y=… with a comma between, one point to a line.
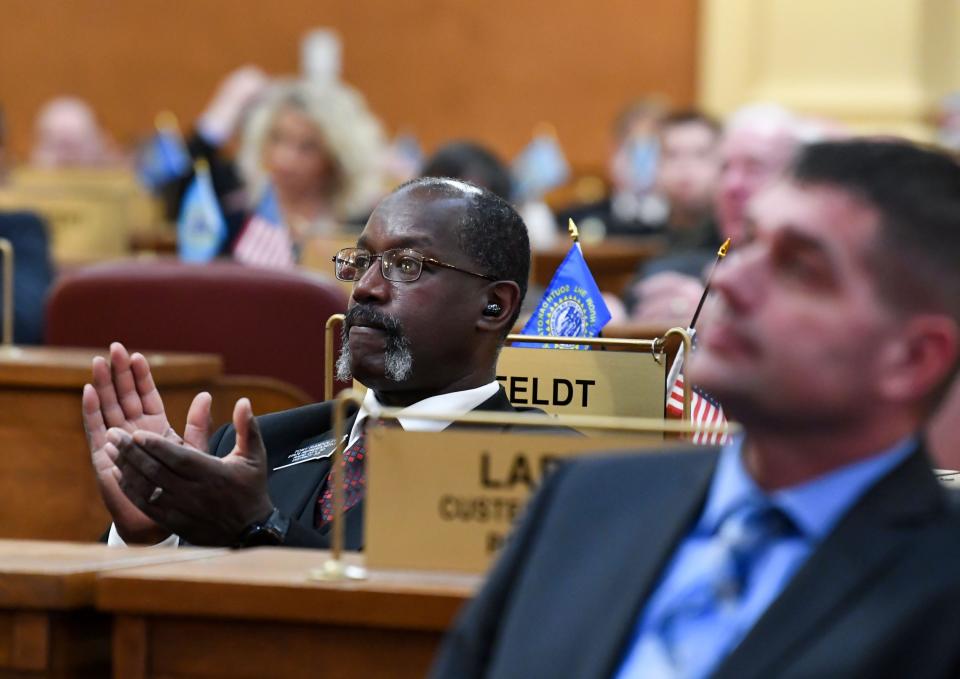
x=758, y=142
x=687, y=177
x=633, y=208
x=473, y=163
x=67, y=134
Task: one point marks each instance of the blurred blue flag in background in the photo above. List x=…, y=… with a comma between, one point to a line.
x=201, y=228
x=164, y=157
x=540, y=167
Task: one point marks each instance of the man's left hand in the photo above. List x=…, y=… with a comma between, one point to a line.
x=204, y=499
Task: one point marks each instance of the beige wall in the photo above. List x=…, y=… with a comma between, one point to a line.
x=879, y=65
x=492, y=69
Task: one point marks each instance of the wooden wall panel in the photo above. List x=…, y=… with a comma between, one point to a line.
x=490, y=69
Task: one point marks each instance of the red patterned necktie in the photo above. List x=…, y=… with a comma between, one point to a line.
x=354, y=483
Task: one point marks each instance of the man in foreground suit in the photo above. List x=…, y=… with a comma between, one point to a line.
x=820, y=543
x=440, y=271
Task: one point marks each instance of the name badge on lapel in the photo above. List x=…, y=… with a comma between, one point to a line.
x=315, y=451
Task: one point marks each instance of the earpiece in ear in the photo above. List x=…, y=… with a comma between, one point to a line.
x=493, y=309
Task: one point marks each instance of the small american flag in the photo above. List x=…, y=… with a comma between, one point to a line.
x=704, y=409
x=265, y=241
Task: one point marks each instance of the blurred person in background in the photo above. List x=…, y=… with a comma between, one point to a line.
x=314, y=144
x=213, y=130
x=633, y=207
x=32, y=269
x=32, y=273
x=67, y=134
x=473, y=163
x=687, y=177
x=758, y=142
x=319, y=148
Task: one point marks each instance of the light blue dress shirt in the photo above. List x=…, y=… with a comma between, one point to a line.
x=815, y=507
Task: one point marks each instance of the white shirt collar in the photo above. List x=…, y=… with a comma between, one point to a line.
x=455, y=403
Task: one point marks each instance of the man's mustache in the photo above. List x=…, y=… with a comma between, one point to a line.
x=366, y=315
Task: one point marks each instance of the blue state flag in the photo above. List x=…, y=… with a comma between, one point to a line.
x=201, y=228
x=643, y=157
x=163, y=158
x=572, y=305
x=540, y=167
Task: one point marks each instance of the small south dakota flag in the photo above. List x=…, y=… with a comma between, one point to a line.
x=164, y=157
x=572, y=305
x=201, y=228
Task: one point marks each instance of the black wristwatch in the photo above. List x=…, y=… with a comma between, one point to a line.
x=272, y=531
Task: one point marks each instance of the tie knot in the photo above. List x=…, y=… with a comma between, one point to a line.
x=754, y=523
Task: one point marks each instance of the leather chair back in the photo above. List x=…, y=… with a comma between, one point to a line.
x=261, y=321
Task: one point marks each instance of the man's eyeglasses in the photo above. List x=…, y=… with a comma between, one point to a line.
x=400, y=265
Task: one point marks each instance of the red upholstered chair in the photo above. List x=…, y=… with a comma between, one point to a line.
x=262, y=322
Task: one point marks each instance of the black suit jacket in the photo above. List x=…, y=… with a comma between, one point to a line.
x=879, y=597
x=295, y=488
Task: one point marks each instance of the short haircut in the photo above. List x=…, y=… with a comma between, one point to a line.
x=490, y=231
x=690, y=117
x=916, y=191
x=472, y=162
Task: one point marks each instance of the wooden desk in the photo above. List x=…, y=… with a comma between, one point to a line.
x=255, y=613
x=47, y=486
x=48, y=627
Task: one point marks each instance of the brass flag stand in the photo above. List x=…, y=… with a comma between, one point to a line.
x=335, y=568
x=654, y=346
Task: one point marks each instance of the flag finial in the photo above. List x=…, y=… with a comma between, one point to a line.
x=574, y=231
x=166, y=120
x=721, y=253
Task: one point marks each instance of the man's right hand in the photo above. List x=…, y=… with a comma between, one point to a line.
x=124, y=396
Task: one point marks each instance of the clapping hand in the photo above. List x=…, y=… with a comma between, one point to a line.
x=123, y=397
x=204, y=499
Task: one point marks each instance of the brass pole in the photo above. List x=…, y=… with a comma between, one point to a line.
x=685, y=336
x=328, y=341
x=334, y=568
x=638, y=344
x=599, y=422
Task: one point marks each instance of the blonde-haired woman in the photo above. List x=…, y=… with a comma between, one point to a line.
x=319, y=148
x=314, y=148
